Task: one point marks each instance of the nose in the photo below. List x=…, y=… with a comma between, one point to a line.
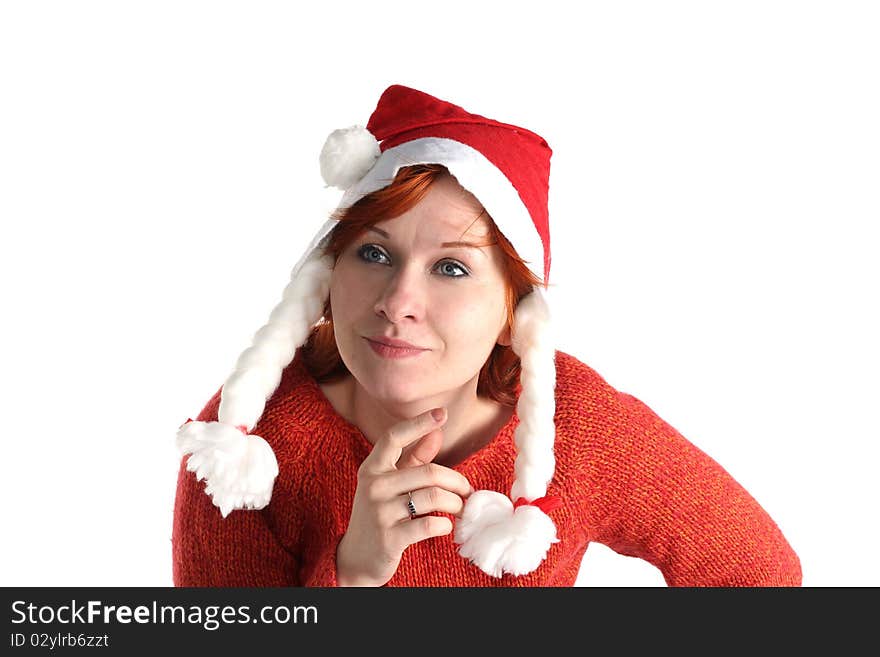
x=403, y=297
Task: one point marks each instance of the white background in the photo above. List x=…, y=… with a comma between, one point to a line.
x=714, y=208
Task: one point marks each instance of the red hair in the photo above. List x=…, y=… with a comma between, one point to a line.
x=499, y=376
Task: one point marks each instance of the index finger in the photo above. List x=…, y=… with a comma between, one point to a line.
x=387, y=450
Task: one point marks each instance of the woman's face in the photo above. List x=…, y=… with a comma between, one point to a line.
x=412, y=279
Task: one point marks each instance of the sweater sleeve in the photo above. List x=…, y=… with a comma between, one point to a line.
x=678, y=509
x=324, y=573
x=240, y=550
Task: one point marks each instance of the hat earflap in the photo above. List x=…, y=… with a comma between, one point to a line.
x=240, y=468
x=496, y=533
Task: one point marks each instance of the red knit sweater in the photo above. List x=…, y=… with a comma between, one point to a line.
x=628, y=480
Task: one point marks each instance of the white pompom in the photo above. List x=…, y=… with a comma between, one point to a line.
x=347, y=155
x=499, y=538
x=240, y=469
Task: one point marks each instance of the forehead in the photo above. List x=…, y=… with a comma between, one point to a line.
x=447, y=207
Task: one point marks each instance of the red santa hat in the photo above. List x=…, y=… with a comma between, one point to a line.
x=507, y=168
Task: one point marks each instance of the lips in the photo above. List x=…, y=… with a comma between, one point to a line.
x=381, y=347
x=393, y=342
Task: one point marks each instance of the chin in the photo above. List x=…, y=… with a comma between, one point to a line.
x=394, y=389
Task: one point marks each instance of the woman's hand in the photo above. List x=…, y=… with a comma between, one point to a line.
x=380, y=527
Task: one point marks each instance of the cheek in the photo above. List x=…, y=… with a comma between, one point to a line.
x=347, y=294
x=475, y=316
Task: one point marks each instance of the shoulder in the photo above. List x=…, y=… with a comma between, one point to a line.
x=294, y=382
x=600, y=418
x=573, y=375
x=587, y=411
x=294, y=415
x=297, y=412
x=580, y=388
x=619, y=438
x=616, y=441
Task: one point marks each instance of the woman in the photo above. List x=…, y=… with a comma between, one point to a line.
x=407, y=383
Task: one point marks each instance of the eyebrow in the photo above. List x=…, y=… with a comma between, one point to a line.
x=457, y=243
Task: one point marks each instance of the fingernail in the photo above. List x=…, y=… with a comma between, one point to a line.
x=437, y=414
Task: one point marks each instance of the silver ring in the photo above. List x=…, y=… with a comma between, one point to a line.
x=411, y=506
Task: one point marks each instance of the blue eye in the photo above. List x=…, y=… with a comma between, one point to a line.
x=371, y=253
x=447, y=264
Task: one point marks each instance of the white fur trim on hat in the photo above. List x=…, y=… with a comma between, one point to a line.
x=347, y=155
x=496, y=536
